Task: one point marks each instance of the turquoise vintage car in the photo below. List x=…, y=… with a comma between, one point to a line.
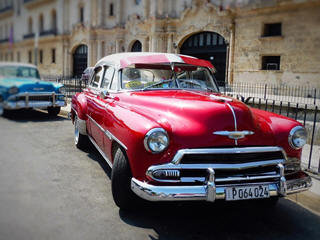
x=21, y=87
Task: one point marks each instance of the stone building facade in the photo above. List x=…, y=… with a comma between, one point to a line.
x=255, y=41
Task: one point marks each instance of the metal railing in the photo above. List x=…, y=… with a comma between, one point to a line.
x=71, y=85
x=293, y=94
x=306, y=114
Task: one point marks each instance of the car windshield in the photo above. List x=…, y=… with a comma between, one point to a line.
x=162, y=77
x=19, y=71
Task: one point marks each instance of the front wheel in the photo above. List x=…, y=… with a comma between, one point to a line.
x=121, y=176
x=54, y=111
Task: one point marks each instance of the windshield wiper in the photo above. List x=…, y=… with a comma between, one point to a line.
x=157, y=83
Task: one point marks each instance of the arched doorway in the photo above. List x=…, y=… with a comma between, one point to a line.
x=209, y=46
x=136, y=46
x=80, y=60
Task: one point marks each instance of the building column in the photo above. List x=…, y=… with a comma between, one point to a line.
x=146, y=8
x=99, y=50
x=231, y=54
x=118, y=11
x=154, y=40
x=145, y=45
x=99, y=7
x=170, y=43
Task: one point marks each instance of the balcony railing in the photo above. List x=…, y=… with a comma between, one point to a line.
x=28, y=35
x=48, y=32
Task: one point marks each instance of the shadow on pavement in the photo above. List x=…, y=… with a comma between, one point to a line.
x=30, y=115
x=238, y=220
x=96, y=156
x=221, y=220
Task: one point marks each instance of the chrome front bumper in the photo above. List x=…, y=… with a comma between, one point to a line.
x=11, y=103
x=210, y=192
x=226, y=167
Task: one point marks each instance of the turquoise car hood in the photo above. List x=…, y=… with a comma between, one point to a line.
x=27, y=85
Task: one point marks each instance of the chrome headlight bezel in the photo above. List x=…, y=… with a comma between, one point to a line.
x=297, y=132
x=153, y=134
x=13, y=90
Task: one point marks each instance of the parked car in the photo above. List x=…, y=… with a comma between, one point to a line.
x=21, y=87
x=168, y=134
x=86, y=75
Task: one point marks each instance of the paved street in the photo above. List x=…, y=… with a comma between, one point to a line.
x=51, y=190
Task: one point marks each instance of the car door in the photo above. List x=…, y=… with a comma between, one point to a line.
x=107, y=113
x=94, y=106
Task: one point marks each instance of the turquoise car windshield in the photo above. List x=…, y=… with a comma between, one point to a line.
x=19, y=71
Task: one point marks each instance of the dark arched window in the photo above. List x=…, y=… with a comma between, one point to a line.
x=136, y=47
x=111, y=13
x=80, y=60
x=210, y=46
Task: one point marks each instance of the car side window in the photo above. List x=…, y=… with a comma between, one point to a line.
x=97, y=77
x=114, y=83
x=107, y=77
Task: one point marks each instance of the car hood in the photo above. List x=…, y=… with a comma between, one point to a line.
x=29, y=84
x=192, y=118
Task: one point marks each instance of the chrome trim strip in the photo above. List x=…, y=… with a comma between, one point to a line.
x=107, y=133
x=234, y=134
x=235, y=121
x=179, y=155
x=100, y=151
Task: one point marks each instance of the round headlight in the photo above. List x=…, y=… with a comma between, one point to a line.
x=156, y=140
x=298, y=137
x=13, y=90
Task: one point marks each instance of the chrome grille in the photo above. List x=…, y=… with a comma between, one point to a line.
x=47, y=98
x=231, y=165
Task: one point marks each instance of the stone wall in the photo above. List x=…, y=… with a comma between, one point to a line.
x=299, y=47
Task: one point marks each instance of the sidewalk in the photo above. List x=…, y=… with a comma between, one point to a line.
x=309, y=199
x=65, y=110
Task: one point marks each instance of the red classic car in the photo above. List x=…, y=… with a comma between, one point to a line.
x=168, y=134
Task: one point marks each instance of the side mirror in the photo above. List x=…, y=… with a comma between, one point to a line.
x=104, y=94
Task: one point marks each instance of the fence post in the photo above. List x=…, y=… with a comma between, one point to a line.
x=315, y=96
x=311, y=144
x=265, y=91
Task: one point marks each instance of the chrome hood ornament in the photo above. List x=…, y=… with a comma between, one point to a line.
x=234, y=134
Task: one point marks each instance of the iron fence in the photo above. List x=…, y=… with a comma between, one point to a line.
x=306, y=114
x=72, y=85
x=293, y=94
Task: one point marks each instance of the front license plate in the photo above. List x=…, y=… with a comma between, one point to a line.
x=247, y=192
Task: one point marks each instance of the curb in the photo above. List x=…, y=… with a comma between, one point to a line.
x=307, y=200
x=64, y=113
